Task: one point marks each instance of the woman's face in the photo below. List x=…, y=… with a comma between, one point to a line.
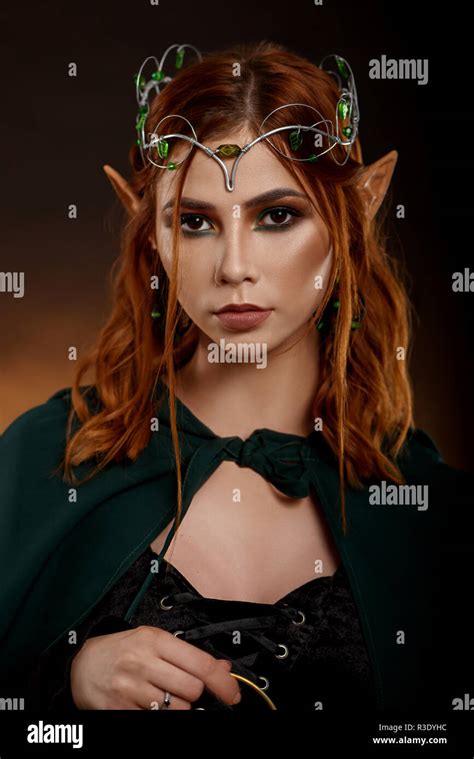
x=262, y=244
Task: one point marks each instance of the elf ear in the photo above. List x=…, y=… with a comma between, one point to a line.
x=128, y=198
x=374, y=182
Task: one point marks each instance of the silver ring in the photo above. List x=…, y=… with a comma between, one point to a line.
x=167, y=699
x=285, y=651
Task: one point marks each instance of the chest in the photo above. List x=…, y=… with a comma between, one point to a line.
x=242, y=539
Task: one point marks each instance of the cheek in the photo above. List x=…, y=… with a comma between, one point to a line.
x=164, y=250
x=164, y=243
x=322, y=272
x=305, y=273
x=195, y=273
x=194, y=279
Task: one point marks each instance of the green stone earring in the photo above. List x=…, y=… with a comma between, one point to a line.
x=184, y=322
x=326, y=323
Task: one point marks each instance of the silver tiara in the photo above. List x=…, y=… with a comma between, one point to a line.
x=310, y=140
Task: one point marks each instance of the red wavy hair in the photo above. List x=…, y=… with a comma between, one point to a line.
x=364, y=396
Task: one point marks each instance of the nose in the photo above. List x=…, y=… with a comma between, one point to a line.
x=235, y=261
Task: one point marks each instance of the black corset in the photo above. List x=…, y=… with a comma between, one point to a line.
x=305, y=652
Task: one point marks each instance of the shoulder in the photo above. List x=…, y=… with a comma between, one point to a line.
x=39, y=427
x=53, y=407
x=451, y=489
x=32, y=489
x=419, y=456
x=420, y=461
x=419, y=441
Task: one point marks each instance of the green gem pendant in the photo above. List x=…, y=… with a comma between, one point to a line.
x=343, y=70
x=162, y=148
x=140, y=122
x=343, y=109
x=141, y=82
x=296, y=138
x=179, y=58
x=227, y=151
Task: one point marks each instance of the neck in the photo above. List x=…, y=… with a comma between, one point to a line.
x=237, y=398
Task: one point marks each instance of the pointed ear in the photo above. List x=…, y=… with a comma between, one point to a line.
x=128, y=198
x=375, y=180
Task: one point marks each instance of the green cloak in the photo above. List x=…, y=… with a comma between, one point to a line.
x=59, y=556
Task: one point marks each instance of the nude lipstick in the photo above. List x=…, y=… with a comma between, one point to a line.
x=240, y=316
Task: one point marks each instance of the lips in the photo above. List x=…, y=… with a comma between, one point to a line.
x=239, y=307
x=242, y=316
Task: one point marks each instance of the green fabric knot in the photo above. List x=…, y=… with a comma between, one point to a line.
x=275, y=456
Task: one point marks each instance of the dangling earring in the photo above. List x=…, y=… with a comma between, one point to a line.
x=358, y=319
x=184, y=322
x=158, y=312
x=326, y=323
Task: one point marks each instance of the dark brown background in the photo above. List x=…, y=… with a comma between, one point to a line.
x=56, y=132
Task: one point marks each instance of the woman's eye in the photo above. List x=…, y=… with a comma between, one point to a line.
x=273, y=218
x=278, y=217
x=194, y=222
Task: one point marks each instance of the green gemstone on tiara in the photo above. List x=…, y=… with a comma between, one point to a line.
x=142, y=81
x=179, y=58
x=227, y=151
x=162, y=148
x=346, y=102
x=343, y=109
x=343, y=70
x=296, y=138
x=141, y=121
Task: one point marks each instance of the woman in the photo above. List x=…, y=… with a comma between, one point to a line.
x=292, y=567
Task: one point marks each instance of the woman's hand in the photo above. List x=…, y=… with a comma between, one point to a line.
x=133, y=669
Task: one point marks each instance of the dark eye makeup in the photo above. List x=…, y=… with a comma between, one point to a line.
x=277, y=221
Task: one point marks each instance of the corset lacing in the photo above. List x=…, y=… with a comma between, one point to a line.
x=268, y=645
x=251, y=628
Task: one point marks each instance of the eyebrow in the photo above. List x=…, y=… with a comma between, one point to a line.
x=265, y=197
